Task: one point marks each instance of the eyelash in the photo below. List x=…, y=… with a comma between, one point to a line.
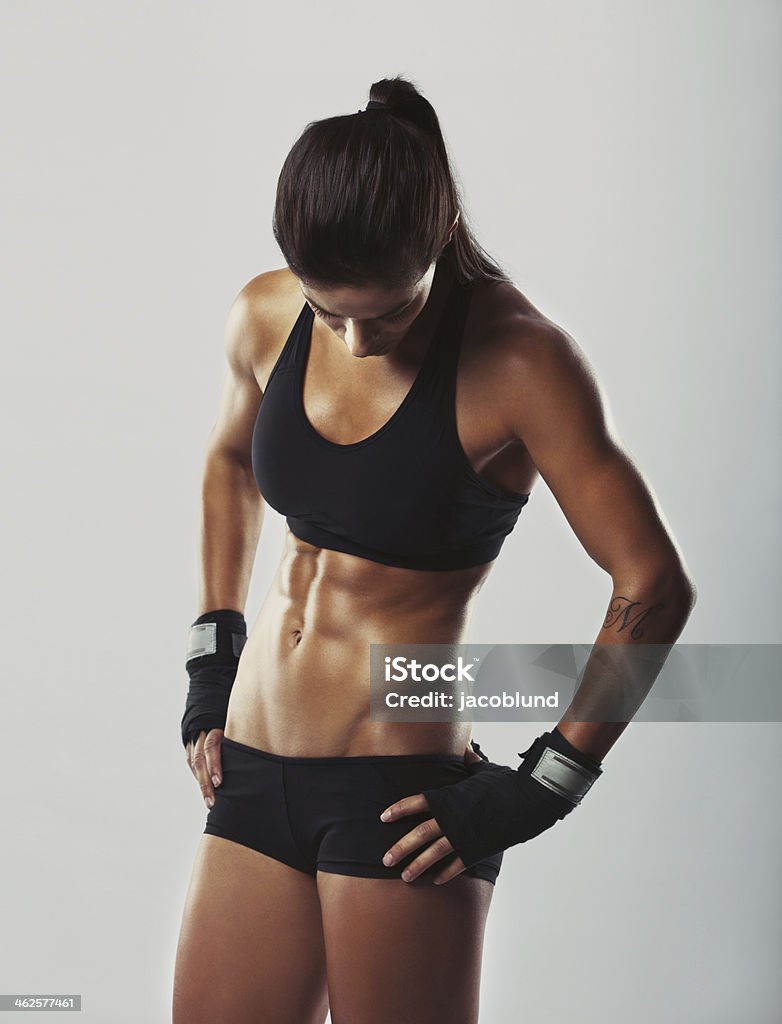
x=328, y=316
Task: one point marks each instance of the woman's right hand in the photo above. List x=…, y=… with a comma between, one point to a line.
x=203, y=757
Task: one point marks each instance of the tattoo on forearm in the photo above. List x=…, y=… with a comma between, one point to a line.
x=629, y=613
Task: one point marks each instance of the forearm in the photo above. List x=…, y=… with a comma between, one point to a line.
x=645, y=617
x=230, y=526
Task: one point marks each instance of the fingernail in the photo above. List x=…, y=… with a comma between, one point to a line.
x=209, y=801
x=388, y=860
x=406, y=875
x=215, y=780
x=385, y=816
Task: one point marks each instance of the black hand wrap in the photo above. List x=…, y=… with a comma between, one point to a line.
x=496, y=807
x=215, y=643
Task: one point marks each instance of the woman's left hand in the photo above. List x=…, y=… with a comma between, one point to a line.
x=428, y=834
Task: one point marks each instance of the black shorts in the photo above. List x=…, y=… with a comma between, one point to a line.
x=323, y=813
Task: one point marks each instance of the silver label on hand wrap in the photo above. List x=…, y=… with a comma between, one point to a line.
x=563, y=776
x=202, y=640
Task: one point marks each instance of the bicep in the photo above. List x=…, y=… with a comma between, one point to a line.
x=560, y=413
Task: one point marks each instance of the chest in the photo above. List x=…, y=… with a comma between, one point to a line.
x=348, y=400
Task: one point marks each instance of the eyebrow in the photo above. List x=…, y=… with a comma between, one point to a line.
x=391, y=312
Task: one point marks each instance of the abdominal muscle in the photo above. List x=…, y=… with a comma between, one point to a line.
x=302, y=686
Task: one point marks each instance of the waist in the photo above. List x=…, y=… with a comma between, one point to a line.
x=319, y=705
x=288, y=656
x=303, y=684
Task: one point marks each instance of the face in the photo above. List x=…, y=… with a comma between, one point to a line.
x=371, y=320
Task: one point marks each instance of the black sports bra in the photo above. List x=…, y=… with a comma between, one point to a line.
x=407, y=494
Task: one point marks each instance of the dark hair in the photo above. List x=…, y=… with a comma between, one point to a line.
x=370, y=197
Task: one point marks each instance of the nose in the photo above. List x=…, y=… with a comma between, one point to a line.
x=358, y=338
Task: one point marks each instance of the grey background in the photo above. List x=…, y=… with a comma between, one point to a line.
x=622, y=159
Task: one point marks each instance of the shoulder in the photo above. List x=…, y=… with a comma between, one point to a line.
x=513, y=335
x=259, y=320
x=530, y=363
x=262, y=294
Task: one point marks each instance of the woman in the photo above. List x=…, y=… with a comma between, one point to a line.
x=395, y=397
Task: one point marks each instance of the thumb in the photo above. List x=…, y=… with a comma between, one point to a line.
x=470, y=757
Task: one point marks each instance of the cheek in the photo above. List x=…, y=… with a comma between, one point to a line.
x=410, y=319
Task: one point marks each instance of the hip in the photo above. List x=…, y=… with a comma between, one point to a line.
x=323, y=813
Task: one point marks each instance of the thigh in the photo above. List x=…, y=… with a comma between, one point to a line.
x=399, y=951
x=251, y=945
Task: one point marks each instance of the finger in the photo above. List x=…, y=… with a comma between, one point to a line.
x=407, y=805
x=435, y=852
x=212, y=746
x=453, y=869
x=201, y=771
x=191, y=744
x=426, y=832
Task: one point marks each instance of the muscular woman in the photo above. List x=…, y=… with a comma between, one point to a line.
x=395, y=397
